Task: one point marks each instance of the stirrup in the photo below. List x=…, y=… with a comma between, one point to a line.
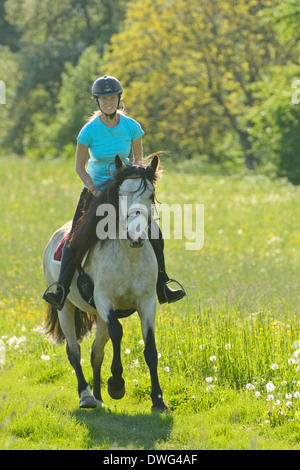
x=55, y=304
x=180, y=285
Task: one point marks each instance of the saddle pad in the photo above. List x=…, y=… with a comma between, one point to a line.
x=58, y=252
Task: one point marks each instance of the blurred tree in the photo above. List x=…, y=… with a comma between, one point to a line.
x=8, y=34
x=52, y=34
x=57, y=136
x=276, y=119
x=211, y=80
x=190, y=71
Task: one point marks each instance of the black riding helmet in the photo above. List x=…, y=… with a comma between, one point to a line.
x=106, y=86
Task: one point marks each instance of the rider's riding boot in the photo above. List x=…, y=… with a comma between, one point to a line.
x=67, y=270
x=164, y=292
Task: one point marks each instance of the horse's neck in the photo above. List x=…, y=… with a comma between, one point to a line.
x=122, y=247
x=133, y=254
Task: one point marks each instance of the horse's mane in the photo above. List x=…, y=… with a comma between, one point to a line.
x=84, y=235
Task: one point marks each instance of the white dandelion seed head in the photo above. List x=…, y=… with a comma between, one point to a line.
x=45, y=358
x=270, y=387
x=250, y=387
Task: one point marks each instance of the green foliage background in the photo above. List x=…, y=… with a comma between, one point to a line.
x=210, y=81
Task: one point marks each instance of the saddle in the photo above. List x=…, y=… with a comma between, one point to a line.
x=58, y=252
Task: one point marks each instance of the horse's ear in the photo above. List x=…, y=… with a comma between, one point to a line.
x=119, y=164
x=154, y=163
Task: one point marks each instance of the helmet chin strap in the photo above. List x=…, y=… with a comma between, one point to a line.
x=111, y=116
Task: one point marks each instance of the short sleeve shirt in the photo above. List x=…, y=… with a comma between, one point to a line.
x=105, y=143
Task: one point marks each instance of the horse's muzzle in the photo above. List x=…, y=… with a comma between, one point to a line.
x=135, y=243
x=137, y=227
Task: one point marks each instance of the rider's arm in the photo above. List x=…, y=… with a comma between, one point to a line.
x=137, y=148
x=81, y=159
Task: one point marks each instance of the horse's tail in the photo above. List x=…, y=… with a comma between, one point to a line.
x=84, y=323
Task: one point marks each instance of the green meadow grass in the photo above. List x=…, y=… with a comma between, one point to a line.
x=228, y=361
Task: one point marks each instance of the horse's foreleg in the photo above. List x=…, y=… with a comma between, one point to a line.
x=150, y=353
x=116, y=384
x=67, y=323
x=97, y=357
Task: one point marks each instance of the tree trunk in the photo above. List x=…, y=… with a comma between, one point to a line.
x=247, y=149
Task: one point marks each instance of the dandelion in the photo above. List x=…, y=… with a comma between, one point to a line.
x=209, y=379
x=296, y=353
x=289, y=404
x=141, y=342
x=270, y=397
x=227, y=347
x=257, y=394
x=15, y=342
x=212, y=358
x=250, y=387
x=270, y=387
x=288, y=396
x=277, y=402
x=291, y=361
x=297, y=395
x=167, y=369
x=127, y=351
x=45, y=358
x=274, y=366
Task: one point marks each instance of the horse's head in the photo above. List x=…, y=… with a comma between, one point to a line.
x=136, y=196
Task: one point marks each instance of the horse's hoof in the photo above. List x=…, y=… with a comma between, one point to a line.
x=160, y=408
x=88, y=403
x=87, y=400
x=114, y=393
x=100, y=404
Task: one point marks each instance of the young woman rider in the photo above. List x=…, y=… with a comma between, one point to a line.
x=106, y=135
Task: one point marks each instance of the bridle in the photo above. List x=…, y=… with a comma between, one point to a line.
x=136, y=209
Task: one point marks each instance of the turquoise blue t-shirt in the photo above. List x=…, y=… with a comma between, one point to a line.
x=105, y=143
